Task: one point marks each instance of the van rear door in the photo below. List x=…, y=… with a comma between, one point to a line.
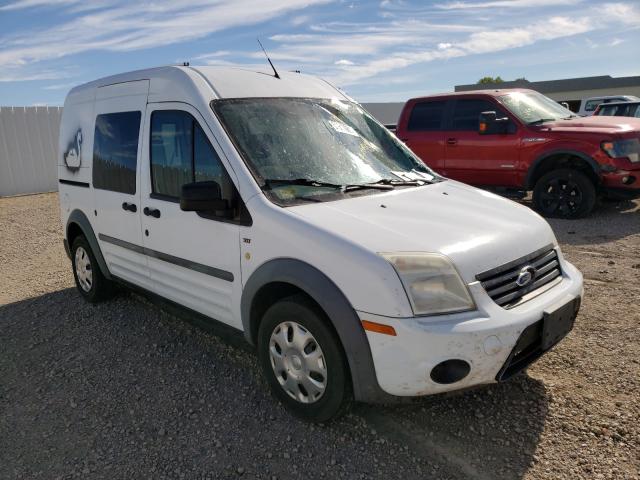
x=119, y=110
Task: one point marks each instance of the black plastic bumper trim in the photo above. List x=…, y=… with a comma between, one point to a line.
x=529, y=348
x=165, y=257
x=74, y=183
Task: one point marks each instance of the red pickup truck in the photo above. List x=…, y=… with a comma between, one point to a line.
x=520, y=140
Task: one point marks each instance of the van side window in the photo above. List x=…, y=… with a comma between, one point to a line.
x=592, y=105
x=466, y=113
x=206, y=163
x=115, y=151
x=427, y=116
x=181, y=153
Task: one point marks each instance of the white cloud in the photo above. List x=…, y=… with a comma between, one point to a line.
x=19, y=75
x=133, y=26
x=554, y=27
x=61, y=86
x=23, y=4
x=216, y=54
x=481, y=42
x=375, y=48
x=625, y=13
x=616, y=41
x=300, y=19
x=506, y=4
x=346, y=52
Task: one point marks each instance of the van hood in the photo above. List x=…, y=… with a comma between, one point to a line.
x=477, y=230
x=594, y=124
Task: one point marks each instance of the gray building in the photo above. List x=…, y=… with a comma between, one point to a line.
x=386, y=113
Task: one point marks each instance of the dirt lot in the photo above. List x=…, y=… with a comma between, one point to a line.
x=127, y=390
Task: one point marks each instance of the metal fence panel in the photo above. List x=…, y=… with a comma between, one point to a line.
x=28, y=149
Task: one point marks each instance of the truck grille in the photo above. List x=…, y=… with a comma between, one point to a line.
x=516, y=282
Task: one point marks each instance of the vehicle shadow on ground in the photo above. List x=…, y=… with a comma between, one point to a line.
x=124, y=389
x=609, y=221
x=487, y=433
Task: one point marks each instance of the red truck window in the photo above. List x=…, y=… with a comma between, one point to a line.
x=466, y=114
x=427, y=116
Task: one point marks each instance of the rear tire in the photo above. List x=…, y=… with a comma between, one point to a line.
x=564, y=193
x=303, y=361
x=90, y=281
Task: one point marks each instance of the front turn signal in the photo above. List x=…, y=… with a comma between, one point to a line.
x=379, y=328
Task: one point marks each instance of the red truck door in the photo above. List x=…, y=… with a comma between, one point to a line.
x=424, y=131
x=479, y=159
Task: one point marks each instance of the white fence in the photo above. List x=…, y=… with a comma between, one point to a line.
x=28, y=149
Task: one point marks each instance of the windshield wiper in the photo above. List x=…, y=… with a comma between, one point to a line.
x=271, y=182
x=541, y=120
x=401, y=183
x=363, y=186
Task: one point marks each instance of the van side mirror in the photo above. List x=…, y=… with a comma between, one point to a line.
x=203, y=197
x=490, y=124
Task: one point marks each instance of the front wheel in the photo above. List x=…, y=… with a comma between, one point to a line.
x=303, y=361
x=564, y=193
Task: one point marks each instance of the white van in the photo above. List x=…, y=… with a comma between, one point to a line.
x=588, y=106
x=278, y=206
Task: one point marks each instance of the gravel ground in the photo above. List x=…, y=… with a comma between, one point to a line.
x=126, y=389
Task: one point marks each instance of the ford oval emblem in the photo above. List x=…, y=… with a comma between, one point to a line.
x=525, y=276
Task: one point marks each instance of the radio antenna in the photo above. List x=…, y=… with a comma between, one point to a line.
x=275, y=72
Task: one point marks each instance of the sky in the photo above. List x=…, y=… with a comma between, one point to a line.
x=377, y=51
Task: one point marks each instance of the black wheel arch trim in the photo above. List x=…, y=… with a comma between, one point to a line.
x=341, y=314
x=576, y=153
x=79, y=218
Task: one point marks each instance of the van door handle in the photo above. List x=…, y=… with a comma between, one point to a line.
x=452, y=141
x=130, y=207
x=151, y=212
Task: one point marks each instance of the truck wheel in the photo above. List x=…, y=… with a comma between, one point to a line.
x=91, y=283
x=303, y=361
x=564, y=193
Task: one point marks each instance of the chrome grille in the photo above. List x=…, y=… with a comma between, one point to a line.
x=507, y=284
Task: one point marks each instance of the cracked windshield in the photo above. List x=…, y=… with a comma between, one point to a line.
x=314, y=150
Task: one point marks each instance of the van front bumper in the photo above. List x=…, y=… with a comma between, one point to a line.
x=487, y=339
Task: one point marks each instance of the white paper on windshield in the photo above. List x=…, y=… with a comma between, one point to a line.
x=343, y=128
x=413, y=175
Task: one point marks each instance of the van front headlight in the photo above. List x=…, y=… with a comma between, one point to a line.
x=432, y=283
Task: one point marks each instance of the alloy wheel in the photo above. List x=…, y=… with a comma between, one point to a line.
x=561, y=196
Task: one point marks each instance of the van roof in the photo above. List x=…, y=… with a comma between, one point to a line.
x=222, y=82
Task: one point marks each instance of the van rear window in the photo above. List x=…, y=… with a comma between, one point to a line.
x=115, y=151
x=427, y=116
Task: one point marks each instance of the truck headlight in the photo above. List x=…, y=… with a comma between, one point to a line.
x=623, y=149
x=432, y=283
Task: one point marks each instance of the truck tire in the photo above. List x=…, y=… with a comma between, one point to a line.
x=91, y=283
x=302, y=360
x=564, y=193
